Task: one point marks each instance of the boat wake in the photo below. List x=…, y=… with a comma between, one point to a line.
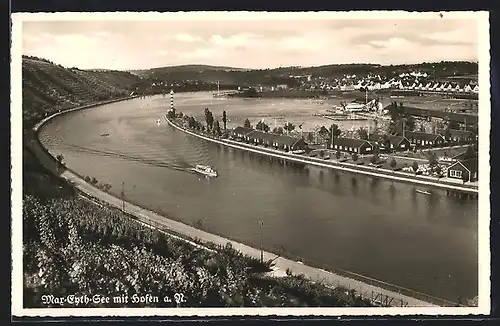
x=179, y=164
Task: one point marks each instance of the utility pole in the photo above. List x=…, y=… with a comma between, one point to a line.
x=261, y=223
x=404, y=120
x=123, y=196
x=331, y=145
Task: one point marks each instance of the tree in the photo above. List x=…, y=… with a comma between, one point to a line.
x=310, y=137
x=216, y=129
x=171, y=114
x=354, y=157
x=437, y=169
x=374, y=158
x=289, y=127
x=60, y=161
x=247, y=124
x=469, y=152
x=393, y=163
x=323, y=132
x=278, y=130
x=192, y=123
x=362, y=133
x=209, y=118
x=224, y=119
x=422, y=128
x=410, y=123
x=454, y=125
x=447, y=134
x=334, y=132
x=432, y=159
x=415, y=166
x=338, y=154
x=261, y=125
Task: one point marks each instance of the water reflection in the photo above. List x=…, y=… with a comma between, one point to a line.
x=392, y=192
x=354, y=185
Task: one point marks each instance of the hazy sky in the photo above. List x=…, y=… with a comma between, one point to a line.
x=247, y=43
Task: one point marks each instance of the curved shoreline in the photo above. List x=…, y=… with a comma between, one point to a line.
x=396, y=296
x=333, y=165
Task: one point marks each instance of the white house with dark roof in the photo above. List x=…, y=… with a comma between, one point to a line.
x=352, y=145
x=422, y=139
x=467, y=169
x=475, y=89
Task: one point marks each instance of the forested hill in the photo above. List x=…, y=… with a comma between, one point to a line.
x=48, y=87
x=240, y=76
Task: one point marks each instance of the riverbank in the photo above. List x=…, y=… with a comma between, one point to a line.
x=322, y=276
x=342, y=166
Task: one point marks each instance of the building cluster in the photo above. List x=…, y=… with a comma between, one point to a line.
x=385, y=144
x=266, y=139
x=414, y=81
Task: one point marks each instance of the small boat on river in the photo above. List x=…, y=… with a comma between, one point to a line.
x=205, y=170
x=423, y=192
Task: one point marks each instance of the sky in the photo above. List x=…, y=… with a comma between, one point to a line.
x=254, y=43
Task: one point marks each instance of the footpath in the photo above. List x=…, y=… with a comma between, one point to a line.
x=368, y=291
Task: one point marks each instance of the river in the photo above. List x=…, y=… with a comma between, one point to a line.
x=372, y=227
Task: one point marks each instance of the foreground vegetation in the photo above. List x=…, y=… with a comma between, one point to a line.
x=73, y=246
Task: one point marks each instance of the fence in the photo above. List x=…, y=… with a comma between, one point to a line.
x=374, y=282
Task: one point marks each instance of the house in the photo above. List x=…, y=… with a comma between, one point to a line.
x=459, y=136
x=240, y=132
x=276, y=141
x=435, y=87
x=457, y=88
x=391, y=143
x=422, y=139
x=468, y=88
x=468, y=167
x=475, y=89
x=352, y=145
x=427, y=87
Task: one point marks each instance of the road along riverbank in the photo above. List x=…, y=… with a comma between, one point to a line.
x=348, y=167
x=370, y=289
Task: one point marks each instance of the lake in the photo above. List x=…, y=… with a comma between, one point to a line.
x=377, y=228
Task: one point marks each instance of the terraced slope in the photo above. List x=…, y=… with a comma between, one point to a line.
x=48, y=87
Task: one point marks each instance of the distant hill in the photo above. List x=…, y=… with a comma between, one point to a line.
x=48, y=87
x=284, y=75
x=183, y=68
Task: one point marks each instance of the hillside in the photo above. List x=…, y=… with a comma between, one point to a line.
x=48, y=87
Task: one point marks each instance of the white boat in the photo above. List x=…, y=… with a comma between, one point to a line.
x=423, y=192
x=205, y=170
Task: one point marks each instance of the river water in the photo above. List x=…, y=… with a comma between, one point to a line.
x=372, y=227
